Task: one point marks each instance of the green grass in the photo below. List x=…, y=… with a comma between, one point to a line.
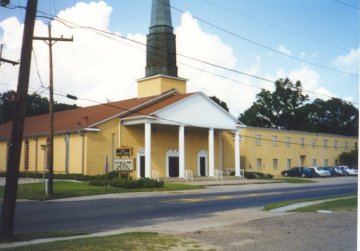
x=271, y=206
x=68, y=189
x=345, y=204
x=129, y=241
x=295, y=180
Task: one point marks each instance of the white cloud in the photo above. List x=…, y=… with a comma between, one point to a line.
x=99, y=68
x=211, y=48
x=308, y=77
x=350, y=62
x=310, y=81
x=93, y=66
x=284, y=50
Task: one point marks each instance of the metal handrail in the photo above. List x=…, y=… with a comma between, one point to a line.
x=218, y=174
x=189, y=175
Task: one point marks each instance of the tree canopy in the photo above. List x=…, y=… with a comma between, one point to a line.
x=288, y=108
x=35, y=105
x=277, y=109
x=220, y=103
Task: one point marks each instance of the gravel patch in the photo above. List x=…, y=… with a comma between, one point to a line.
x=293, y=231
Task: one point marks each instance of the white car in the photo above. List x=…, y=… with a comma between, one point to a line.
x=339, y=171
x=348, y=171
x=320, y=172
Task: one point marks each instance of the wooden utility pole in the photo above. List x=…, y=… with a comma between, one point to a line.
x=50, y=41
x=20, y=104
x=6, y=60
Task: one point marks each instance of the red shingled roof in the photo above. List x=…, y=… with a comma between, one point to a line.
x=86, y=117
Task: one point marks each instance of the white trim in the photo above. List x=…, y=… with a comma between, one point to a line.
x=135, y=108
x=161, y=75
x=170, y=153
x=203, y=153
x=138, y=120
x=181, y=151
x=139, y=153
x=148, y=150
x=211, y=153
x=119, y=133
x=237, y=122
x=237, y=153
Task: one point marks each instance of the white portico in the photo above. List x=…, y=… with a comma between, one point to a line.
x=186, y=113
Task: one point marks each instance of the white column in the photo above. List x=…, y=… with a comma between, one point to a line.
x=211, y=153
x=237, y=153
x=147, y=150
x=181, y=151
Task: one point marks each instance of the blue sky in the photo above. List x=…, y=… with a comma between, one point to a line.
x=325, y=32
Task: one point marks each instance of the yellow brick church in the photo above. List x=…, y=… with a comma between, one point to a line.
x=165, y=131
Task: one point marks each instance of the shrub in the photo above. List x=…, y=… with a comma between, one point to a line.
x=140, y=183
x=257, y=175
x=151, y=183
x=129, y=184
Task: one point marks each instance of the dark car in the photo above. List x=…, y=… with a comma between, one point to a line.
x=298, y=172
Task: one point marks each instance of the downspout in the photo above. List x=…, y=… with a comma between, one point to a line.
x=119, y=132
x=36, y=154
x=67, y=139
x=83, y=153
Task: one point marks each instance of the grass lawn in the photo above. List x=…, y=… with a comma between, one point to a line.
x=344, y=204
x=67, y=189
x=129, y=241
x=295, y=180
x=271, y=206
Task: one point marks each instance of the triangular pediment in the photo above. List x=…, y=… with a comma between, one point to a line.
x=198, y=110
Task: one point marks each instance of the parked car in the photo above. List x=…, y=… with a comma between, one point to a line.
x=321, y=172
x=340, y=171
x=348, y=171
x=298, y=172
x=330, y=169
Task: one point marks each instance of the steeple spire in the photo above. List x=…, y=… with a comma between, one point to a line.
x=161, y=50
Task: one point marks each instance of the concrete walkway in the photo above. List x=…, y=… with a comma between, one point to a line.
x=304, y=204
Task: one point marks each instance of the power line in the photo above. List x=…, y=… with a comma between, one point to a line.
x=108, y=34
x=37, y=69
x=131, y=110
x=262, y=45
x=189, y=125
x=273, y=25
x=293, y=143
x=347, y=4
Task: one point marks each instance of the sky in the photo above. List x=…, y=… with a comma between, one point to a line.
x=316, y=42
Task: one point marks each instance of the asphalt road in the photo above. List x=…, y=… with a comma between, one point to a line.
x=122, y=212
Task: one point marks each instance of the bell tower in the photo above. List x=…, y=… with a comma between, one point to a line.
x=161, y=73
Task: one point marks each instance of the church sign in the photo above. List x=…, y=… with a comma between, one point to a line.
x=124, y=151
x=123, y=165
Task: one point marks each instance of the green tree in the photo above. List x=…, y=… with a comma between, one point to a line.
x=277, y=109
x=349, y=158
x=332, y=116
x=36, y=105
x=220, y=103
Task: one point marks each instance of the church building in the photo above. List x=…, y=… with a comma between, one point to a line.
x=165, y=131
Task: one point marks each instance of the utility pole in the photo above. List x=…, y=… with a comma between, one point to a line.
x=50, y=41
x=20, y=104
x=6, y=60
